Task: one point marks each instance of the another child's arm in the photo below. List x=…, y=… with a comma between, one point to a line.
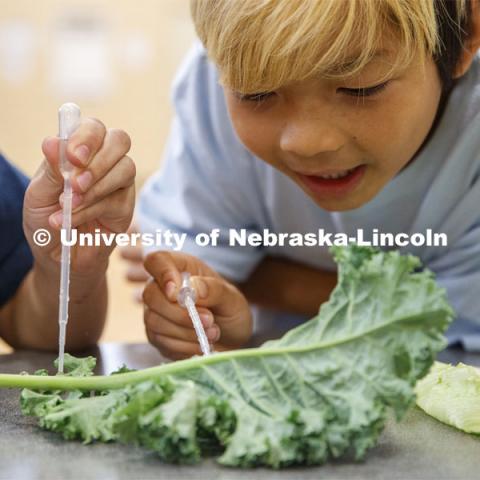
x=223, y=309
x=288, y=286
x=104, y=198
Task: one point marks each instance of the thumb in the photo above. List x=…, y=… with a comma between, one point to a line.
x=51, y=150
x=229, y=307
x=166, y=267
x=47, y=184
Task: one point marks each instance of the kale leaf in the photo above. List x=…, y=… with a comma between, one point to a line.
x=321, y=391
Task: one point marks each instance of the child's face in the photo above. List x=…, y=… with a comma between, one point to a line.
x=316, y=129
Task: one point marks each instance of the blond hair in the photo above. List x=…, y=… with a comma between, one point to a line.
x=261, y=45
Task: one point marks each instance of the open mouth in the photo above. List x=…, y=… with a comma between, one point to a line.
x=336, y=183
x=334, y=176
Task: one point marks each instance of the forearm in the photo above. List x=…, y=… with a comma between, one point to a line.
x=283, y=285
x=30, y=320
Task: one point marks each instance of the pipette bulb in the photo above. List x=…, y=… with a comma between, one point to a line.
x=68, y=119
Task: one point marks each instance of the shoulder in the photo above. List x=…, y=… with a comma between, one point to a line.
x=196, y=85
x=456, y=142
x=195, y=67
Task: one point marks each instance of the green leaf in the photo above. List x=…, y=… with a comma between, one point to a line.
x=85, y=418
x=322, y=391
x=77, y=367
x=451, y=394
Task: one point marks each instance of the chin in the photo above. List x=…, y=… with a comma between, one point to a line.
x=338, y=205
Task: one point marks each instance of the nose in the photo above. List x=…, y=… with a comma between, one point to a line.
x=308, y=134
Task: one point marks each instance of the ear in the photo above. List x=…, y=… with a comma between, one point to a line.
x=472, y=42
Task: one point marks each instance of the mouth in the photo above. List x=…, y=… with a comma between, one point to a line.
x=332, y=183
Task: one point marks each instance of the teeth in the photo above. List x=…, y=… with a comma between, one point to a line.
x=333, y=176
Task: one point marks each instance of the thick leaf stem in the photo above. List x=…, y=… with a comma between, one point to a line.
x=109, y=382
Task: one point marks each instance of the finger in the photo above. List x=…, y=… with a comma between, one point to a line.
x=155, y=299
x=121, y=175
x=115, y=146
x=113, y=211
x=165, y=353
x=167, y=349
x=132, y=253
x=174, y=348
x=85, y=142
x=166, y=267
x=77, y=200
x=161, y=325
x=88, y=137
x=137, y=273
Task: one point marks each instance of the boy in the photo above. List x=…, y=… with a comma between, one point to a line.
x=104, y=196
x=368, y=113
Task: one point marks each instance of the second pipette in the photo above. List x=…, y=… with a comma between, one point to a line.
x=186, y=299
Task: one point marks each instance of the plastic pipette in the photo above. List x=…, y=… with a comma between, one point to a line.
x=68, y=121
x=186, y=299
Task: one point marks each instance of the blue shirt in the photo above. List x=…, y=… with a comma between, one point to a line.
x=210, y=180
x=15, y=256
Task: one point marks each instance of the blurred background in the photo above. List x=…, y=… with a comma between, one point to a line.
x=116, y=59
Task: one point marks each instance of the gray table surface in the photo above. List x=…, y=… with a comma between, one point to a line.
x=417, y=448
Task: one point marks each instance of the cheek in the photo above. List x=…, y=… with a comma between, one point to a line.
x=401, y=127
x=257, y=133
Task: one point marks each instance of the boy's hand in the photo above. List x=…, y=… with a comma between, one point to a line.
x=103, y=194
x=223, y=309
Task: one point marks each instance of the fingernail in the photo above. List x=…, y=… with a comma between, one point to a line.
x=200, y=287
x=57, y=219
x=84, y=180
x=82, y=153
x=213, y=333
x=170, y=288
x=206, y=319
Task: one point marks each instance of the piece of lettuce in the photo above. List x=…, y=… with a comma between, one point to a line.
x=451, y=394
x=322, y=391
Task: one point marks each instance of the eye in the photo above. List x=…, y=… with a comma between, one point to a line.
x=365, y=91
x=254, y=97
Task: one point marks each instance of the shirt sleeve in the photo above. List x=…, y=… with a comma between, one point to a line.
x=208, y=179
x=458, y=269
x=15, y=255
